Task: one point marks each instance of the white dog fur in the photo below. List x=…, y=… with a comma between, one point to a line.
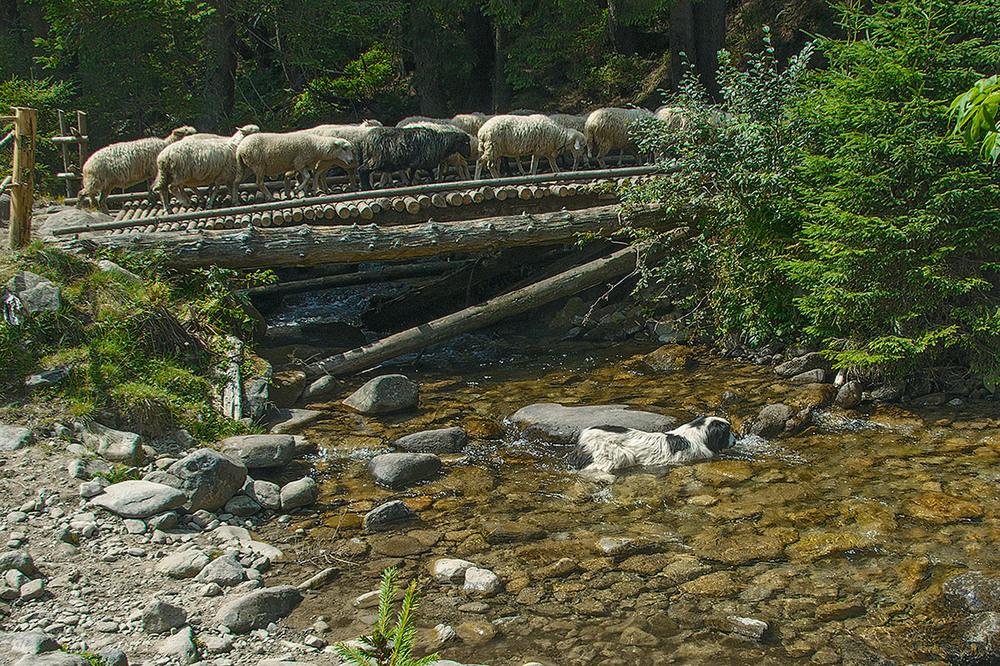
x=612, y=449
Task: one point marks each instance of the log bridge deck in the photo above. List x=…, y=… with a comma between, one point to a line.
x=378, y=225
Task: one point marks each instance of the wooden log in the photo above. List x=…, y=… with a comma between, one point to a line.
x=411, y=205
x=366, y=211
x=488, y=193
x=353, y=211
x=424, y=201
x=343, y=211
x=439, y=201
x=455, y=199
x=399, y=205
x=386, y=274
x=470, y=319
x=524, y=192
x=306, y=245
x=467, y=198
x=478, y=196
x=22, y=187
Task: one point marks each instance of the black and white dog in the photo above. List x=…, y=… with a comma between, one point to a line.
x=611, y=449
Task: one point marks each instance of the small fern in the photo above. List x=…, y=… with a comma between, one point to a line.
x=388, y=646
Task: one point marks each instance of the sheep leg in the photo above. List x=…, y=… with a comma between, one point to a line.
x=534, y=165
x=552, y=163
x=306, y=180
x=102, y=201
x=520, y=167
x=479, y=169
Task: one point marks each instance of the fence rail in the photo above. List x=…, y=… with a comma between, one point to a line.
x=21, y=181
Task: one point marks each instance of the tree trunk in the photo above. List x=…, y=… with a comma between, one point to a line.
x=424, y=32
x=501, y=87
x=480, y=46
x=697, y=33
x=621, y=35
x=308, y=246
x=220, y=62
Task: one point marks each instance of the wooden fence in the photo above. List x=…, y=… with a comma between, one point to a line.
x=21, y=182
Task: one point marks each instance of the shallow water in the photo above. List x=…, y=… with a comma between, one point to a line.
x=836, y=537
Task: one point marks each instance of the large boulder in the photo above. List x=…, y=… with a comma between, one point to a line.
x=207, y=478
x=771, y=420
x=388, y=393
x=562, y=425
x=36, y=293
x=398, y=470
x=260, y=451
x=63, y=217
x=139, y=499
x=118, y=446
x=159, y=617
x=224, y=571
x=443, y=440
x=258, y=609
x=299, y=493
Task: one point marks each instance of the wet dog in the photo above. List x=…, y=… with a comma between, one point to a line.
x=613, y=449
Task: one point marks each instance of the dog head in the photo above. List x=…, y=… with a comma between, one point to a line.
x=718, y=434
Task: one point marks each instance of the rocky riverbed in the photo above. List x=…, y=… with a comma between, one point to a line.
x=854, y=534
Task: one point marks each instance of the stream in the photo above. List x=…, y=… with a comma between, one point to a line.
x=838, y=537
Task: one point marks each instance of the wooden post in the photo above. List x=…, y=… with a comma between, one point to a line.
x=23, y=185
x=83, y=147
x=65, y=150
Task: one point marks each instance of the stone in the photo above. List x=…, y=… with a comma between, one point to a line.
x=637, y=637
x=260, y=451
x=941, y=509
x=450, y=570
x=33, y=589
x=288, y=421
x=849, y=395
x=385, y=394
x=666, y=359
x=208, y=478
x=258, y=609
x=399, y=470
x=112, y=657
x=93, y=488
x=36, y=293
x=771, y=420
x=321, y=389
x=52, y=659
x=814, y=376
x=399, y=546
x=164, y=521
x=562, y=425
x=511, y=532
x=715, y=584
x=15, y=579
x=183, y=564
x=224, y=571
x=812, y=547
x=266, y=494
x=242, y=506
x=742, y=626
x=45, y=379
x=388, y=515
x=159, y=617
x=181, y=647
x=221, y=644
x=16, y=559
x=286, y=387
x=297, y=494
x=109, y=266
x=481, y=581
x=798, y=365
x=476, y=632
x=139, y=499
x=444, y=440
x=560, y=567
x=13, y=438
x=113, y=445
x=32, y=642
x=972, y=592
x=134, y=526
x=255, y=399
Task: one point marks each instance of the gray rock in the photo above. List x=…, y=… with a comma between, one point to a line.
x=163, y=521
x=15, y=559
x=108, y=266
x=883, y=394
x=112, y=657
x=320, y=389
x=286, y=387
x=771, y=420
x=450, y=570
x=114, y=445
x=134, y=526
x=180, y=647
x=296, y=494
x=36, y=293
x=183, y=564
x=159, y=617
x=46, y=378
x=848, y=395
x=260, y=451
x=259, y=608
x=208, y=478
x=70, y=216
x=398, y=470
x=33, y=642
x=814, y=376
x=795, y=366
x=255, y=399
x=15, y=579
x=242, y=506
x=93, y=488
x=139, y=499
x=562, y=425
x=388, y=515
x=224, y=571
x=217, y=644
x=4, y=208
x=445, y=440
x=13, y=438
x=481, y=581
x=388, y=393
x=33, y=589
x=972, y=592
x=52, y=659
x=267, y=494
x=288, y=421
x=742, y=626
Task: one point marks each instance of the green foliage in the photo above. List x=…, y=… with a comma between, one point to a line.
x=975, y=112
x=373, y=72
x=220, y=303
x=119, y=473
x=47, y=96
x=836, y=206
x=389, y=646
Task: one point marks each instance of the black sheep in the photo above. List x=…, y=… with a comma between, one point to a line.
x=407, y=149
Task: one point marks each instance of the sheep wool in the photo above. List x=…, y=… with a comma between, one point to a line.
x=122, y=165
x=610, y=128
x=513, y=136
x=408, y=149
x=274, y=154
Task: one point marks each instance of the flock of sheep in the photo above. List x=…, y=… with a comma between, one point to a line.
x=187, y=159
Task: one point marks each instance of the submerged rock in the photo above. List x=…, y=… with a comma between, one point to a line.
x=385, y=394
x=443, y=440
x=972, y=592
x=385, y=516
x=771, y=420
x=399, y=470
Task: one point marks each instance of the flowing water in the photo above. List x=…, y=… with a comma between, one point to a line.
x=837, y=537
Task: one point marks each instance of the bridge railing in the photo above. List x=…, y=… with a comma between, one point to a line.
x=21, y=181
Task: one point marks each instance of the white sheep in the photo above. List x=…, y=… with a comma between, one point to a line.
x=514, y=136
x=350, y=133
x=123, y=165
x=470, y=122
x=571, y=121
x=201, y=160
x=455, y=159
x=416, y=120
x=610, y=128
x=675, y=117
x=275, y=154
